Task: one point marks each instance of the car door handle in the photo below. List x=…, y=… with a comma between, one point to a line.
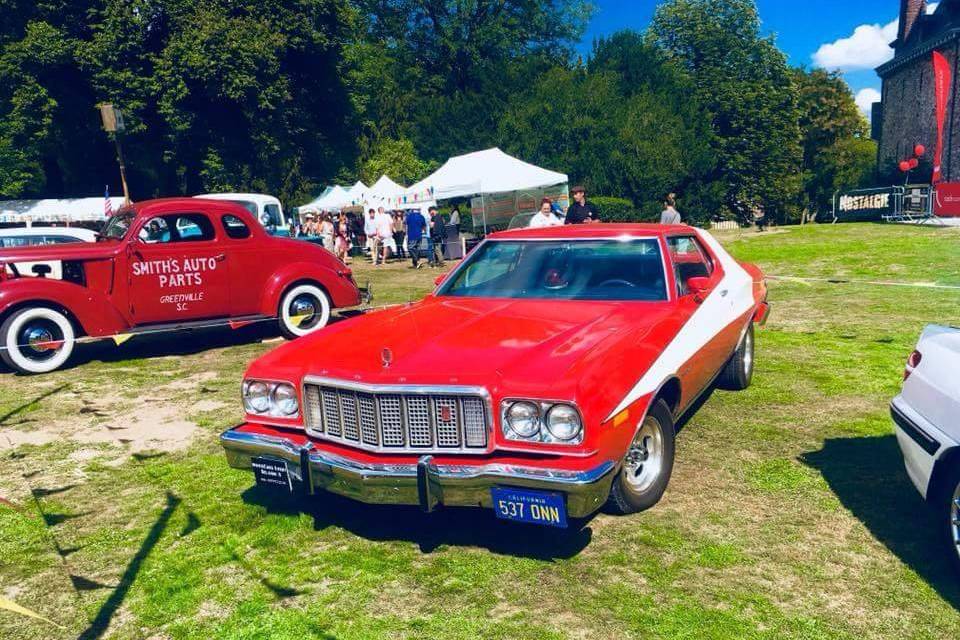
x=220, y=257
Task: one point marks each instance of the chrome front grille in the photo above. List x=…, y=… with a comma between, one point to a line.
x=398, y=419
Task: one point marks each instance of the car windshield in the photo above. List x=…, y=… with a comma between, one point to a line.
x=630, y=270
x=118, y=225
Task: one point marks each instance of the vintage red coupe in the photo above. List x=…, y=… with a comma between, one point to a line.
x=543, y=378
x=163, y=265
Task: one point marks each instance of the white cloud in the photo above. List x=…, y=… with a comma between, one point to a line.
x=865, y=99
x=867, y=47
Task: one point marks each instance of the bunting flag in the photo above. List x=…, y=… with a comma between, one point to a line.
x=941, y=77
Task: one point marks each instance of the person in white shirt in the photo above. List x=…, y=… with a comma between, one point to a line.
x=370, y=231
x=670, y=214
x=545, y=217
x=384, y=234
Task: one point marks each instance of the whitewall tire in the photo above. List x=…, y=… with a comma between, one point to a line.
x=36, y=340
x=303, y=309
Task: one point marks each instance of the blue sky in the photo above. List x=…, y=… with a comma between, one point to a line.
x=845, y=35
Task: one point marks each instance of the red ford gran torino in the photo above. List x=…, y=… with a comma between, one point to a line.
x=543, y=378
x=161, y=265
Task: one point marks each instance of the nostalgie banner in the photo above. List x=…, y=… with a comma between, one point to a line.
x=942, y=77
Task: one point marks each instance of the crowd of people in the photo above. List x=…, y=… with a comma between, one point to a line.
x=418, y=237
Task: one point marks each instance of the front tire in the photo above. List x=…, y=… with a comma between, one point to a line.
x=304, y=309
x=647, y=465
x=36, y=340
x=738, y=372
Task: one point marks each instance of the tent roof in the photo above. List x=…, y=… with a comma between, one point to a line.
x=488, y=171
x=385, y=187
x=56, y=210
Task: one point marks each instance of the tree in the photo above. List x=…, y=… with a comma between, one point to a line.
x=743, y=82
x=395, y=158
x=837, y=152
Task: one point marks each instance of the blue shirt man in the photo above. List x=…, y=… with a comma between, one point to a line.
x=416, y=225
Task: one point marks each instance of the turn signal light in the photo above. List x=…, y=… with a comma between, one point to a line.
x=912, y=363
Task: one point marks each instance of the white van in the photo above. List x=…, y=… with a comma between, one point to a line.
x=264, y=208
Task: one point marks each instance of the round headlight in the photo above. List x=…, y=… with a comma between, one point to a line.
x=285, y=399
x=563, y=422
x=523, y=418
x=256, y=396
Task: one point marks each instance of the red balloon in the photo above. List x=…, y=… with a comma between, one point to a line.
x=904, y=166
x=914, y=163
x=919, y=150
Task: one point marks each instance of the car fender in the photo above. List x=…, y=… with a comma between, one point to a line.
x=94, y=312
x=337, y=283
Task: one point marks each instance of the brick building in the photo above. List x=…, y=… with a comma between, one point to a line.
x=906, y=115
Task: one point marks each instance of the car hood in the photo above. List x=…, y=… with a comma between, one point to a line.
x=524, y=348
x=64, y=251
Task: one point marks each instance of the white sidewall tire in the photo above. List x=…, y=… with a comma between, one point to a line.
x=288, y=325
x=21, y=362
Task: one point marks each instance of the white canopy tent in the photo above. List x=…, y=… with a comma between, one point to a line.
x=55, y=210
x=481, y=172
x=332, y=198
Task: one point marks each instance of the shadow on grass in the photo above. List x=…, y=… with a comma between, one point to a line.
x=452, y=526
x=18, y=410
x=868, y=477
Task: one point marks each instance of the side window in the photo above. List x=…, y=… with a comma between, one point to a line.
x=690, y=260
x=235, y=227
x=500, y=260
x=271, y=216
x=178, y=227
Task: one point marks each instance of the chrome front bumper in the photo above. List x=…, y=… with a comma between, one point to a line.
x=425, y=483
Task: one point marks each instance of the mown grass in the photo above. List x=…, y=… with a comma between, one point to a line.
x=789, y=514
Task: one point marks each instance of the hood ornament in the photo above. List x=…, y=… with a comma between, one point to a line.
x=386, y=357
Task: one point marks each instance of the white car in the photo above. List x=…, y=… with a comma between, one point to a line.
x=266, y=209
x=927, y=419
x=32, y=236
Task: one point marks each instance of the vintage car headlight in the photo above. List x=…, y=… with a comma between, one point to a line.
x=523, y=418
x=285, y=399
x=277, y=399
x=541, y=421
x=563, y=422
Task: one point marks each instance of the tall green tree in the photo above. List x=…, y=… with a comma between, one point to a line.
x=743, y=81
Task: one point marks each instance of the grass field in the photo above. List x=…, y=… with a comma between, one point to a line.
x=789, y=514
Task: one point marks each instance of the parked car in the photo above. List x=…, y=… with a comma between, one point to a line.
x=926, y=416
x=33, y=236
x=159, y=265
x=30, y=236
x=543, y=378
x=266, y=209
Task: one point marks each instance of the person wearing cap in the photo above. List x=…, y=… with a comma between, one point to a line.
x=309, y=225
x=581, y=211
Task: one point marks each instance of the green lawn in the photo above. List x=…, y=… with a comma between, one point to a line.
x=789, y=514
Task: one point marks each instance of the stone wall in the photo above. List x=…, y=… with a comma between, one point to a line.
x=909, y=118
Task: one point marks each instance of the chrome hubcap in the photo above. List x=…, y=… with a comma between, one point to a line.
x=955, y=518
x=303, y=308
x=644, y=460
x=748, y=353
x=40, y=340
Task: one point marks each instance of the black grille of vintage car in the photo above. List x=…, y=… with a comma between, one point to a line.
x=397, y=420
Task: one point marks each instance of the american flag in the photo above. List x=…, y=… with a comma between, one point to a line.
x=107, y=207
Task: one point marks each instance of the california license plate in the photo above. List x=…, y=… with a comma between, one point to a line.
x=271, y=473
x=534, y=507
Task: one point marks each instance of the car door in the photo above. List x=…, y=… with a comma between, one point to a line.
x=252, y=260
x=176, y=270
x=690, y=259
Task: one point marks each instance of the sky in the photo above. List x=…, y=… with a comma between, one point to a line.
x=849, y=36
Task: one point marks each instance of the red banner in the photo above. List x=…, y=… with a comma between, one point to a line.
x=947, y=200
x=941, y=77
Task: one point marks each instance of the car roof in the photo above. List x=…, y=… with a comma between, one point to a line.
x=592, y=232
x=259, y=198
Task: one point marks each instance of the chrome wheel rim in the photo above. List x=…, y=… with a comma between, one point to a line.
x=644, y=460
x=305, y=307
x=40, y=340
x=748, y=353
x=955, y=519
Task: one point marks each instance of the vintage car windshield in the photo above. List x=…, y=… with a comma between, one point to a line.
x=118, y=225
x=619, y=270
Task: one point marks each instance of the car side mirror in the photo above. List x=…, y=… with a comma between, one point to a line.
x=699, y=287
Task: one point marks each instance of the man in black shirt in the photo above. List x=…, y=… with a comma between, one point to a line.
x=581, y=211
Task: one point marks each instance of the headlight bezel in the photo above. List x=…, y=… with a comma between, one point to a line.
x=543, y=435
x=273, y=409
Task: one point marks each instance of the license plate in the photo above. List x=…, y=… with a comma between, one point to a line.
x=272, y=473
x=534, y=507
